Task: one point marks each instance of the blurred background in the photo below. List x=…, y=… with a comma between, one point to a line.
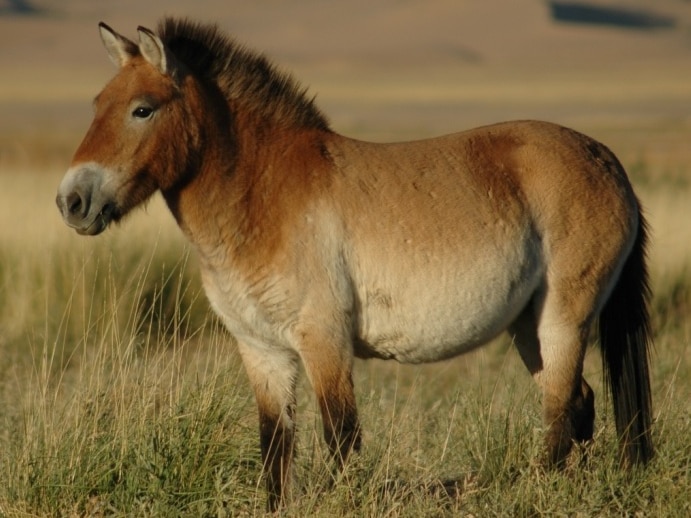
x=390, y=69
x=618, y=70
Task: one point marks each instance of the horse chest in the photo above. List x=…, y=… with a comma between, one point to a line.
x=251, y=308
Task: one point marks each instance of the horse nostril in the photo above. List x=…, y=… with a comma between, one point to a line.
x=75, y=204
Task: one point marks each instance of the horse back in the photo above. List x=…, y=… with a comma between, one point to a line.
x=482, y=186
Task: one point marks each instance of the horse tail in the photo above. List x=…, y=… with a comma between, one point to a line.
x=625, y=340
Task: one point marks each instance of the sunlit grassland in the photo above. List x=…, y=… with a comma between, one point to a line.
x=120, y=394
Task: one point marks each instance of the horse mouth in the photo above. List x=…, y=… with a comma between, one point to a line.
x=100, y=222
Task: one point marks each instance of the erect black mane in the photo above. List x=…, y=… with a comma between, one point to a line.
x=240, y=73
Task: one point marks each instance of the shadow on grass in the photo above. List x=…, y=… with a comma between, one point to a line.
x=446, y=490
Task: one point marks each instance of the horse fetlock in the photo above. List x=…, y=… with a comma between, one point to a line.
x=569, y=423
x=583, y=414
x=343, y=440
x=277, y=447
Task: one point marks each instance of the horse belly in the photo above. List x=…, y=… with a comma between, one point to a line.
x=435, y=315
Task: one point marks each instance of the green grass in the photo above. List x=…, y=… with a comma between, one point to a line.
x=120, y=395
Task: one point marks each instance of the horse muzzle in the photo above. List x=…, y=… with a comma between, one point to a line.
x=83, y=201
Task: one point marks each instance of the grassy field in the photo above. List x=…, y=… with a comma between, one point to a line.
x=120, y=395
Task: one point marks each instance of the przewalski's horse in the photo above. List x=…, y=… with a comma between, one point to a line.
x=316, y=248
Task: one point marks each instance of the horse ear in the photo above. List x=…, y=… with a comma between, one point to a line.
x=153, y=50
x=120, y=49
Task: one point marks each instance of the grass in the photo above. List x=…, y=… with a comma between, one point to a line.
x=120, y=394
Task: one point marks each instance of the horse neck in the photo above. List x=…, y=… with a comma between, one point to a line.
x=241, y=166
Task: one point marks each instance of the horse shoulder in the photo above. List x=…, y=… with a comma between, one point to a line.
x=278, y=251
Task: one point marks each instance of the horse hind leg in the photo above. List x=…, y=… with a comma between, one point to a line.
x=554, y=355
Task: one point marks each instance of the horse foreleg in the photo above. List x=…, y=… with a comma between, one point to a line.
x=273, y=376
x=329, y=366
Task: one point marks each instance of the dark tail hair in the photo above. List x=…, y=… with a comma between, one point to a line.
x=625, y=339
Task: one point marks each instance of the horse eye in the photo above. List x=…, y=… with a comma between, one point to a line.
x=142, y=112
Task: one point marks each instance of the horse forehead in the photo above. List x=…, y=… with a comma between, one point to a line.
x=136, y=79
